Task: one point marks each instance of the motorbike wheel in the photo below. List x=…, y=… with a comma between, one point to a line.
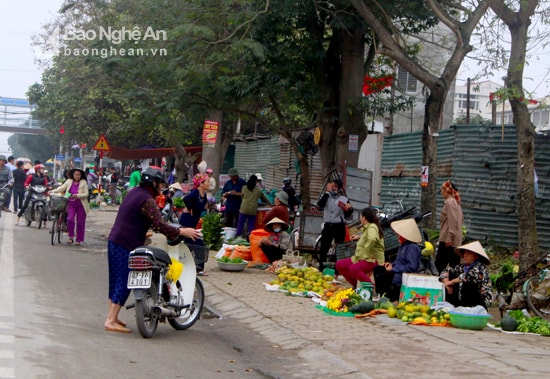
x=190, y=315
x=146, y=321
x=40, y=214
x=537, y=295
x=28, y=215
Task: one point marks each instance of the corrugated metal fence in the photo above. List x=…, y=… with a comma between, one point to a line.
x=482, y=162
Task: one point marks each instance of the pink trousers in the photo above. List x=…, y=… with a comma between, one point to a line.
x=76, y=210
x=354, y=272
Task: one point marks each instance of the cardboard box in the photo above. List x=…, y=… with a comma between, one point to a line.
x=425, y=289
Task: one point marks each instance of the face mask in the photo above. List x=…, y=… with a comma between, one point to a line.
x=276, y=230
x=334, y=193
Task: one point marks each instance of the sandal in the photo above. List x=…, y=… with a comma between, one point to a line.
x=70, y=241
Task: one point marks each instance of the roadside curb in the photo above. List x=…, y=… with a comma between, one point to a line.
x=322, y=361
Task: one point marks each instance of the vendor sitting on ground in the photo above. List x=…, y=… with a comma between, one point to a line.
x=369, y=251
x=388, y=278
x=276, y=244
x=468, y=284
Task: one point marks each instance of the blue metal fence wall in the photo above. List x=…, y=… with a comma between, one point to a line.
x=482, y=162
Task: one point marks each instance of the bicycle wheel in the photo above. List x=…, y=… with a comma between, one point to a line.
x=53, y=232
x=537, y=293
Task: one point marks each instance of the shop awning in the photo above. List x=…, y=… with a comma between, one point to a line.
x=121, y=153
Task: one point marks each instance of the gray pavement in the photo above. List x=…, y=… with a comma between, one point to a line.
x=343, y=347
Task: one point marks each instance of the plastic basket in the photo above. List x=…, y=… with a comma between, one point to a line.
x=200, y=253
x=58, y=204
x=345, y=250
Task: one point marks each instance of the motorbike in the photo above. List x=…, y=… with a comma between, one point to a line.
x=162, y=289
x=165, y=203
x=36, y=210
x=4, y=193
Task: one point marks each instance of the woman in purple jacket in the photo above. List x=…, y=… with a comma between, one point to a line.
x=137, y=214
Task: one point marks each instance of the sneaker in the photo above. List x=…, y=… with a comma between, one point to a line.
x=17, y=220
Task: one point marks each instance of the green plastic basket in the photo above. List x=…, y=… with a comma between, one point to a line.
x=467, y=321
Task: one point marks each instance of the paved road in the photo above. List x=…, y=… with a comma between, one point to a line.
x=331, y=347
x=54, y=301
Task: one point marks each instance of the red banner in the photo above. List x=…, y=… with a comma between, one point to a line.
x=210, y=132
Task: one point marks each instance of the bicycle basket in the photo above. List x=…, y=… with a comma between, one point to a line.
x=200, y=253
x=58, y=204
x=345, y=250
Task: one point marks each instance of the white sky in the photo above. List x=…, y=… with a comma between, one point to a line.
x=20, y=19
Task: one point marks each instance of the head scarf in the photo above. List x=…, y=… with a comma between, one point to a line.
x=198, y=179
x=448, y=186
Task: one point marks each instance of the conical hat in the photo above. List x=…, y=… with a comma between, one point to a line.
x=474, y=247
x=269, y=226
x=407, y=229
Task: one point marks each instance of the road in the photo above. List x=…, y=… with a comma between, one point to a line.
x=54, y=301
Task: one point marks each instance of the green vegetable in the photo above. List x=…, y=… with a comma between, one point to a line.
x=529, y=324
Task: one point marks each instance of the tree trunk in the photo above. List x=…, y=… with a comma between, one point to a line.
x=432, y=126
x=214, y=154
x=351, y=119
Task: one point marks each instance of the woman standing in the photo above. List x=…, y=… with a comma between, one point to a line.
x=369, y=252
x=336, y=208
x=195, y=205
x=450, y=227
x=249, y=205
x=136, y=215
x=76, y=190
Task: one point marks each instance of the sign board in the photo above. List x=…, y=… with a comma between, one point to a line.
x=59, y=157
x=210, y=133
x=353, y=144
x=102, y=144
x=425, y=289
x=77, y=160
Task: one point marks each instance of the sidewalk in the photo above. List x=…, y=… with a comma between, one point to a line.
x=379, y=347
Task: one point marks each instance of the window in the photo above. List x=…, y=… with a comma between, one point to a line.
x=405, y=81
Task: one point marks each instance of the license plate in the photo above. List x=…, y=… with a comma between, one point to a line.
x=140, y=279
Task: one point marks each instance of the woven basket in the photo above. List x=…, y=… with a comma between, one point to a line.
x=58, y=204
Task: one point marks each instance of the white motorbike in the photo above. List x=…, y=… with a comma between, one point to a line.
x=160, y=291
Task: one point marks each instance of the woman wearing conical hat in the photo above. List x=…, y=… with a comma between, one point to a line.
x=278, y=241
x=388, y=278
x=468, y=284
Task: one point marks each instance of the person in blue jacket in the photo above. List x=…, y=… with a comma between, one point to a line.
x=388, y=278
x=232, y=193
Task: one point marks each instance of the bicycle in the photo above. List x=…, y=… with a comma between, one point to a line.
x=536, y=290
x=58, y=209
x=527, y=288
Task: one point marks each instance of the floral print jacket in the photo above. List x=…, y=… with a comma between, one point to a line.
x=477, y=273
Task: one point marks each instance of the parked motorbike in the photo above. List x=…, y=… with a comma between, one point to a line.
x=160, y=291
x=4, y=193
x=391, y=241
x=165, y=203
x=36, y=210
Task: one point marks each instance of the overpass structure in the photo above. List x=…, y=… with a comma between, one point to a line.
x=16, y=117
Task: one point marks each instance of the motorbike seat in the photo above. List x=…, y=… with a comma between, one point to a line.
x=159, y=254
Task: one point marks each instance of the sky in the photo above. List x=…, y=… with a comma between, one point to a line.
x=20, y=19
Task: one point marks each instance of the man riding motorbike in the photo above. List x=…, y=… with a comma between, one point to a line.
x=36, y=179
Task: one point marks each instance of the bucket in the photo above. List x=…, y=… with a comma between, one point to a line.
x=229, y=233
x=365, y=290
x=255, y=237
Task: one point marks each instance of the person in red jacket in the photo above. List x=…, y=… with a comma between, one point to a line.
x=36, y=179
